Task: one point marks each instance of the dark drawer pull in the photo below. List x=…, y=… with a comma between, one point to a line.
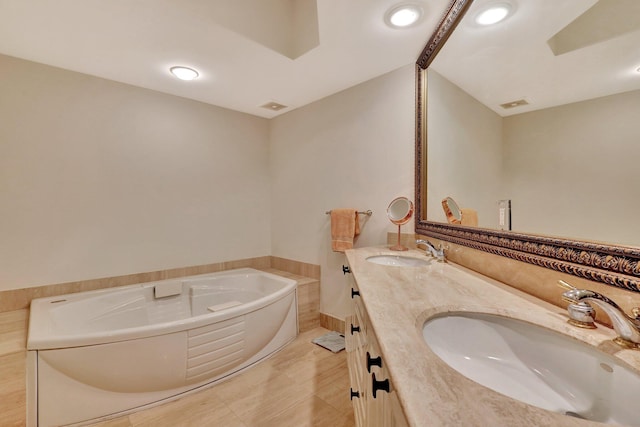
x=373, y=361
x=354, y=329
x=346, y=269
x=354, y=393
x=379, y=385
x=354, y=293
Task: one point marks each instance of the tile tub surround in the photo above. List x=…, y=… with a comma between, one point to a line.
x=14, y=324
x=309, y=316
x=16, y=299
x=307, y=276
x=399, y=300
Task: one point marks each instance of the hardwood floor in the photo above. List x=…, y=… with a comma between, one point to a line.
x=13, y=404
x=13, y=356
x=302, y=385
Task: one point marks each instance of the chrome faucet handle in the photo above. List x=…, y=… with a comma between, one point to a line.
x=581, y=314
x=438, y=254
x=626, y=326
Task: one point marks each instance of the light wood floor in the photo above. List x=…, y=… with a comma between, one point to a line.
x=302, y=385
x=13, y=356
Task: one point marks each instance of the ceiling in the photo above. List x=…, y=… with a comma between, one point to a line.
x=248, y=52
x=547, y=53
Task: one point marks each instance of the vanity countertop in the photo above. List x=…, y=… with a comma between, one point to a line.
x=400, y=299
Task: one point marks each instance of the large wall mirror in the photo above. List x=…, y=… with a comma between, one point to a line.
x=541, y=109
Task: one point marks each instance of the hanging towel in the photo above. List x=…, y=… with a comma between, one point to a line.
x=344, y=227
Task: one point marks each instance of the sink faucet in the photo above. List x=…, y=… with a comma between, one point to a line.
x=627, y=327
x=437, y=253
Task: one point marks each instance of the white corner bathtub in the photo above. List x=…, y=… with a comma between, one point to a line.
x=96, y=354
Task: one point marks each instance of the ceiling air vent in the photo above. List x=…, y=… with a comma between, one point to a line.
x=273, y=106
x=513, y=104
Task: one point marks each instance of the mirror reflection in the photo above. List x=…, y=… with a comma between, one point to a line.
x=451, y=211
x=541, y=110
x=457, y=215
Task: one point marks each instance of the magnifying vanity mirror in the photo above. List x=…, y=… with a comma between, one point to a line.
x=399, y=212
x=452, y=211
x=457, y=215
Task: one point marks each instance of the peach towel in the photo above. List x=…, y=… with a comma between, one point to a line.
x=344, y=227
x=469, y=217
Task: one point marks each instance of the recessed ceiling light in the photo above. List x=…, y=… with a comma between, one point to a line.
x=184, y=73
x=273, y=106
x=493, y=13
x=403, y=15
x=513, y=104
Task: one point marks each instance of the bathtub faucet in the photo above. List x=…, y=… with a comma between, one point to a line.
x=627, y=327
x=438, y=254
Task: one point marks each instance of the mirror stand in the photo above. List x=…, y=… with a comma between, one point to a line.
x=398, y=246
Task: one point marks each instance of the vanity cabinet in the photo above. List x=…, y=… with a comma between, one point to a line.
x=374, y=400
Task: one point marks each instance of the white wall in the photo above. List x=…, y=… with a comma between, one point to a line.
x=353, y=149
x=464, y=140
x=99, y=179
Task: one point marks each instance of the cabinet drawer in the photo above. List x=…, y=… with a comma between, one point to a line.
x=368, y=372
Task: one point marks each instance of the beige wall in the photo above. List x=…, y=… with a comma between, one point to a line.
x=353, y=149
x=464, y=140
x=102, y=179
x=573, y=170
x=569, y=170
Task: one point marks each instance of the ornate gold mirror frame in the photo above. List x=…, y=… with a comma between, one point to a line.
x=614, y=265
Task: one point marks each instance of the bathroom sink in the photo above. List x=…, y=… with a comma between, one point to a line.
x=537, y=366
x=398, y=260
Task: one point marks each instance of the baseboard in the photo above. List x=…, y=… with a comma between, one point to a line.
x=332, y=323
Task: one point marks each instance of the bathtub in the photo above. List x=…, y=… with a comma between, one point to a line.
x=97, y=354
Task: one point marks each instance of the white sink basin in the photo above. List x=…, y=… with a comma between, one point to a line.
x=398, y=260
x=537, y=366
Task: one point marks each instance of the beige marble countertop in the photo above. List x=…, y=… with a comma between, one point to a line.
x=399, y=300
